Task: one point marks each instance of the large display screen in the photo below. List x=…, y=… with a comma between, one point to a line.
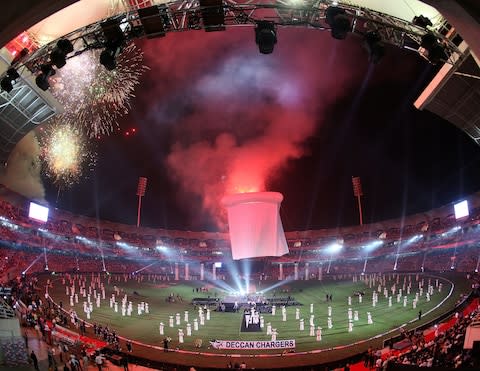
x=461, y=209
x=38, y=212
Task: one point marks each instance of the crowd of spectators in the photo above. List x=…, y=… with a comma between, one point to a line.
x=65, y=244
x=444, y=350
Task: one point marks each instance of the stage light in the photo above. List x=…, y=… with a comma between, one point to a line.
x=265, y=36
x=374, y=46
x=42, y=79
x=433, y=50
x=7, y=82
x=114, y=41
x=20, y=56
x=13, y=74
x=422, y=21
x=58, y=56
x=108, y=58
x=337, y=19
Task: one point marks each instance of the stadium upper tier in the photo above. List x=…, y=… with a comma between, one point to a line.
x=436, y=229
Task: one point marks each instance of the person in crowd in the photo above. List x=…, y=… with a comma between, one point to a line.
x=74, y=363
x=99, y=361
x=34, y=359
x=124, y=363
x=129, y=346
x=85, y=361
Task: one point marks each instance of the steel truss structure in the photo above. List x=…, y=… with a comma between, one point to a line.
x=21, y=110
x=184, y=15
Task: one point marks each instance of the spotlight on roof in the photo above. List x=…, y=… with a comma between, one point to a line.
x=337, y=19
x=265, y=36
x=422, y=21
x=432, y=49
x=42, y=79
x=374, y=46
x=7, y=82
x=108, y=58
x=58, y=56
x=114, y=41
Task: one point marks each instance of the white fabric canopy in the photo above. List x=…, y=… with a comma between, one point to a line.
x=255, y=226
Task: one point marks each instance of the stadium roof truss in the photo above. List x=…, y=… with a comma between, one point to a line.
x=187, y=15
x=26, y=106
x=21, y=110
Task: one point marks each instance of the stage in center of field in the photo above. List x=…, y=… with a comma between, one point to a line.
x=251, y=321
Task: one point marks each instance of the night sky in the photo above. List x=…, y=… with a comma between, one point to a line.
x=213, y=115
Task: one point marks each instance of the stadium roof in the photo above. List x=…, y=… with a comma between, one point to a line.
x=26, y=13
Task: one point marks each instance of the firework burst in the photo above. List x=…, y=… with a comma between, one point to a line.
x=93, y=97
x=66, y=153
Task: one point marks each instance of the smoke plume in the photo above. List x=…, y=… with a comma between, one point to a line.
x=22, y=173
x=238, y=116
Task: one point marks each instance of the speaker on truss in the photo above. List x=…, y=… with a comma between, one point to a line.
x=152, y=19
x=213, y=15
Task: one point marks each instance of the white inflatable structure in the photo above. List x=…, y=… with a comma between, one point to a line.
x=255, y=226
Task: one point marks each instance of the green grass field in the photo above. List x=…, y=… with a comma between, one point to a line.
x=226, y=326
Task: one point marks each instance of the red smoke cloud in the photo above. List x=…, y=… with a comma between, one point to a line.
x=238, y=116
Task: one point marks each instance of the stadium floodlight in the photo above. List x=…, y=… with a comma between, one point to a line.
x=334, y=248
x=373, y=245
x=461, y=209
x=254, y=224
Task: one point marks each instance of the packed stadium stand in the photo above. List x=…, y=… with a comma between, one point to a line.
x=432, y=241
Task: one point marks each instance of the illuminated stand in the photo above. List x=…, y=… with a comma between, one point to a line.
x=255, y=226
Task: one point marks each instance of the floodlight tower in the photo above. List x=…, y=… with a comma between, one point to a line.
x=357, y=192
x=142, y=186
x=45, y=257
